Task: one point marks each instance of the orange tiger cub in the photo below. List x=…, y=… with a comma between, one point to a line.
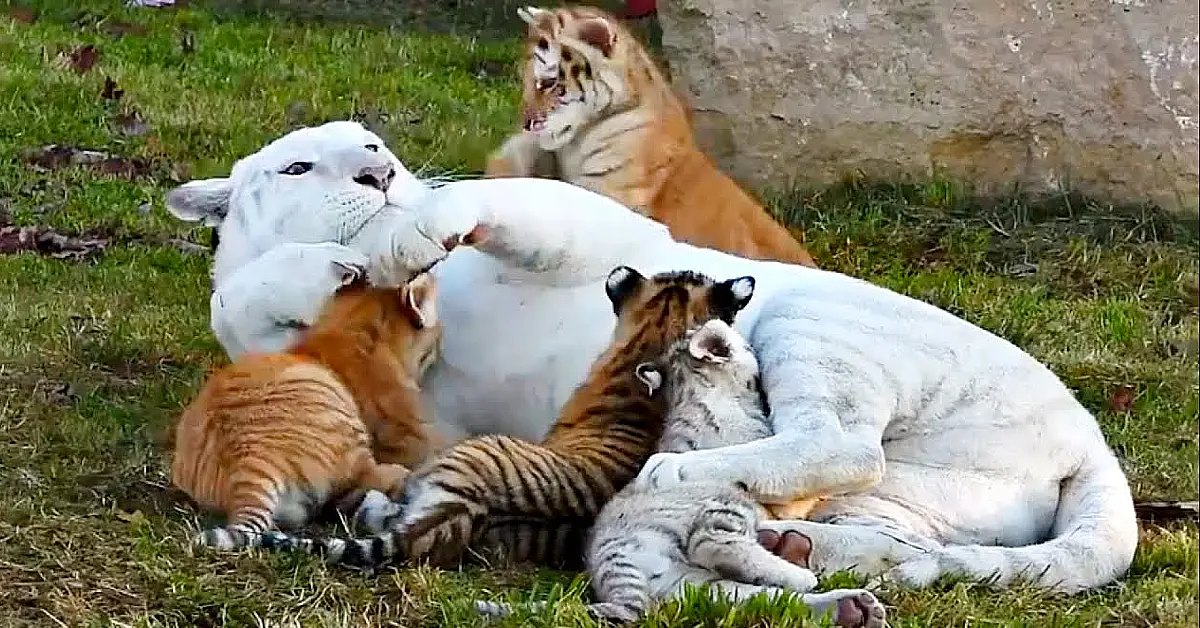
x=272, y=438
x=597, y=112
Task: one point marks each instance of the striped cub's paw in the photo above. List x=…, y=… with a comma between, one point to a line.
x=438, y=525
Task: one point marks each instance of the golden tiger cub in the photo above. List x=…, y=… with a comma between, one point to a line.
x=273, y=438
x=597, y=112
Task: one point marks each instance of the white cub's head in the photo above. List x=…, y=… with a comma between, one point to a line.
x=314, y=184
x=713, y=355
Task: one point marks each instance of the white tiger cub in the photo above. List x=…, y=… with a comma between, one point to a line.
x=648, y=543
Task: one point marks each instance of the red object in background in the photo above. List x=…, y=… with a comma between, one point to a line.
x=639, y=8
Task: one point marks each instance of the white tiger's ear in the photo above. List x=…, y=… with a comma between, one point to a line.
x=711, y=343
x=420, y=299
x=649, y=374
x=530, y=14
x=205, y=201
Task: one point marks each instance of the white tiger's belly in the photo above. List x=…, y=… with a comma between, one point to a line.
x=511, y=353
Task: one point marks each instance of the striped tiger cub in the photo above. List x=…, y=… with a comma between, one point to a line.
x=605, y=432
x=273, y=438
x=597, y=112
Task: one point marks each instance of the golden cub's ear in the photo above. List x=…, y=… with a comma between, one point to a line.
x=351, y=275
x=599, y=34
x=420, y=301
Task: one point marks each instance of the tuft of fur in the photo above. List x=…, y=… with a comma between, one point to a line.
x=274, y=437
x=597, y=112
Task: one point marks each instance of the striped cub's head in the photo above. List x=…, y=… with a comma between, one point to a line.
x=582, y=65
x=400, y=321
x=660, y=309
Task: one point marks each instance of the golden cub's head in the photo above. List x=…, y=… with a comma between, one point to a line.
x=582, y=65
x=660, y=309
x=379, y=322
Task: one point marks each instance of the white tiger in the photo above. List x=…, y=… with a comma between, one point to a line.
x=948, y=450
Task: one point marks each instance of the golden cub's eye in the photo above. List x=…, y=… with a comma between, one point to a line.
x=299, y=167
x=566, y=56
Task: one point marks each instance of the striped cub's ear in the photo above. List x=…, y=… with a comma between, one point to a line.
x=730, y=296
x=622, y=283
x=599, y=34
x=420, y=299
x=649, y=374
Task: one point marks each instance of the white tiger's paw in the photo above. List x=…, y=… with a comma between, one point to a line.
x=452, y=216
x=665, y=470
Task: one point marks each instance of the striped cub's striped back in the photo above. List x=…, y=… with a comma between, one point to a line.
x=604, y=433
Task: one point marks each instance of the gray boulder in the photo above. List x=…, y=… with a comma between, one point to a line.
x=1097, y=97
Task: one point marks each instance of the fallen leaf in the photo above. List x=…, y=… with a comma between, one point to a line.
x=83, y=58
x=110, y=91
x=22, y=15
x=130, y=123
x=119, y=29
x=47, y=241
x=1122, y=399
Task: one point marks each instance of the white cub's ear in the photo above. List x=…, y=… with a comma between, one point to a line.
x=649, y=374
x=712, y=342
x=205, y=201
x=420, y=299
x=530, y=14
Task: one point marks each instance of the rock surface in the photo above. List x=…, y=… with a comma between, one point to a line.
x=1098, y=97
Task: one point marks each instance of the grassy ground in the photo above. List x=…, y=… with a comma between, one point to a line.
x=102, y=343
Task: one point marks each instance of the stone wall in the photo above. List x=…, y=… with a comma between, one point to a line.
x=1099, y=96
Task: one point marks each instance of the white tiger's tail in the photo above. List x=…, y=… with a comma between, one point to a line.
x=1092, y=543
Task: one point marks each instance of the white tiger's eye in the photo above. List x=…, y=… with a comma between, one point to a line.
x=297, y=168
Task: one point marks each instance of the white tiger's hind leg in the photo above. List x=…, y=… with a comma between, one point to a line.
x=848, y=608
x=866, y=549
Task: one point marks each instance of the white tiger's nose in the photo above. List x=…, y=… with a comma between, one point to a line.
x=378, y=176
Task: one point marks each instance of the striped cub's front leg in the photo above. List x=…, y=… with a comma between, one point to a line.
x=446, y=501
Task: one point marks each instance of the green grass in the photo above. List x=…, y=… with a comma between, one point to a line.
x=97, y=355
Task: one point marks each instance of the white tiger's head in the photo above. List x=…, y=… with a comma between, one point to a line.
x=314, y=184
x=576, y=73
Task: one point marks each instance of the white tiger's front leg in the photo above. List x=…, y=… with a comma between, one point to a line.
x=549, y=229
x=828, y=424
x=263, y=305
